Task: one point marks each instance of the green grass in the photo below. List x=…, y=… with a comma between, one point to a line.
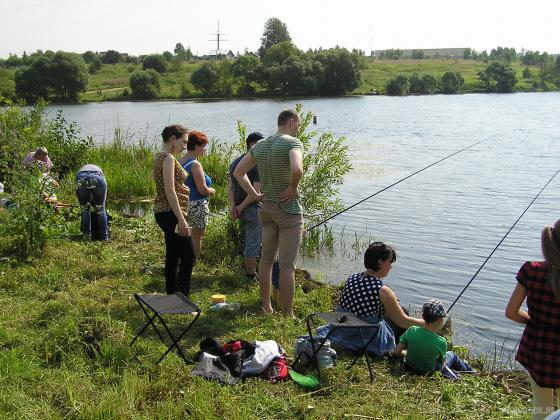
x=379, y=72
x=68, y=317
x=112, y=80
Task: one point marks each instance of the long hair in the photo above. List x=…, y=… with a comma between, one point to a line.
x=550, y=244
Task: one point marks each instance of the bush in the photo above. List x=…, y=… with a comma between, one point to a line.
x=425, y=83
x=205, y=77
x=452, y=82
x=29, y=222
x=156, y=62
x=145, y=84
x=67, y=149
x=19, y=132
x=399, y=85
x=499, y=77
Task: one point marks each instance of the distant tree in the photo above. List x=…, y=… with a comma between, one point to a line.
x=527, y=73
x=483, y=56
x=25, y=59
x=95, y=66
x=131, y=59
x=503, y=54
x=249, y=69
x=417, y=55
x=168, y=56
x=275, y=32
x=452, y=82
x=529, y=58
x=498, y=76
x=341, y=70
x=557, y=70
x=61, y=75
x=111, y=57
x=145, y=84
x=205, y=77
x=392, y=54
x=89, y=57
x=154, y=61
x=32, y=82
x=13, y=61
x=68, y=75
x=276, y=54
x=189, y=54
x=296, y=77
x=93, y=61
x=399, y=85
x=179, y=49
x=467, y=54
x=180, y=55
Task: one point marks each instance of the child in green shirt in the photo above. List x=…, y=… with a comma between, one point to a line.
x=425, y=351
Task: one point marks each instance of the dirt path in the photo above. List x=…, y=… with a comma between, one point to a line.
x=107, y=90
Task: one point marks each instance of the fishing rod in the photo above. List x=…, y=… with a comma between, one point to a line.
x=393, y=184
x=499, y=243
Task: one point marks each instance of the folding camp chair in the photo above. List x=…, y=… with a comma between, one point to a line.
x=341, y=320
x=176, y=303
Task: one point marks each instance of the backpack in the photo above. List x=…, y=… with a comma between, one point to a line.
x=304, y=352
x=277, y=370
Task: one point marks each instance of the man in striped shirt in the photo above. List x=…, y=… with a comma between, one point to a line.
x=279, y=159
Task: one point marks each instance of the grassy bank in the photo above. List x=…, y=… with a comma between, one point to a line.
x=68, y=317
x=112, y=80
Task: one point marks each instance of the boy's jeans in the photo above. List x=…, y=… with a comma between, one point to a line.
x=452, y=365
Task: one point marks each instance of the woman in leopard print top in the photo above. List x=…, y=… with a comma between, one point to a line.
x=170, y=210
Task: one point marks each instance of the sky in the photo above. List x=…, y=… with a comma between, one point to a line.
x=147, y=26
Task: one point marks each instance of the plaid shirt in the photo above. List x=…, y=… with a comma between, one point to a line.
x=539, y=349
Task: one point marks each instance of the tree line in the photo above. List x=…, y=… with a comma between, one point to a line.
x=279, y=68
x=497, y=77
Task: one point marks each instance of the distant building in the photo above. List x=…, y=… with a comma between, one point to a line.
x=221, y=54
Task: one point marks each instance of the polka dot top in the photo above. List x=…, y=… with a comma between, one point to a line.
x=360, y=295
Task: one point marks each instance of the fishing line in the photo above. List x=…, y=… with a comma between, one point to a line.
x=499, y=243
x=393, y=184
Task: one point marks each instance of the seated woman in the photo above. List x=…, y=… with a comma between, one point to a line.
x=365, y=296
x=38, y=158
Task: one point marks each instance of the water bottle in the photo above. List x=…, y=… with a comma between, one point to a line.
x=225, y=306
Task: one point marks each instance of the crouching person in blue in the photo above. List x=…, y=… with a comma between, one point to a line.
x=425, y=351
x=91, y=189
x=367, y=297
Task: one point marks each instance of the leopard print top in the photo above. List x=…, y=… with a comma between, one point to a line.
x=161, y=204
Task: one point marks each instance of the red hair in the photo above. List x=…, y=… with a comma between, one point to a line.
x=196, y=138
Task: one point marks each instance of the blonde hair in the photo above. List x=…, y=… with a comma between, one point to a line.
x=550, y=244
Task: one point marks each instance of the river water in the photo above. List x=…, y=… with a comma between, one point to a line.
x=444, y=221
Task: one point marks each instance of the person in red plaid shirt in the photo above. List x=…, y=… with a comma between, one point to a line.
x=539, y=349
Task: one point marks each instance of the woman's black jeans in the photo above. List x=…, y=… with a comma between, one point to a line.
x=179, y=255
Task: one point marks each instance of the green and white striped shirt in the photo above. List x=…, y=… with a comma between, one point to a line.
x=273, y=161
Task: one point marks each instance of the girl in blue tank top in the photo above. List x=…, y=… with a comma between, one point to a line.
x=199, y=185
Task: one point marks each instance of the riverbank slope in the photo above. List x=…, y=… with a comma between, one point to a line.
x=69, y=315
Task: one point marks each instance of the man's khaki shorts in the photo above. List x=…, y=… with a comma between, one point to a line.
x=281, y=234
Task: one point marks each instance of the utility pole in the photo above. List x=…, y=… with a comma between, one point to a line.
x=218, y=39
x=371, y=41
